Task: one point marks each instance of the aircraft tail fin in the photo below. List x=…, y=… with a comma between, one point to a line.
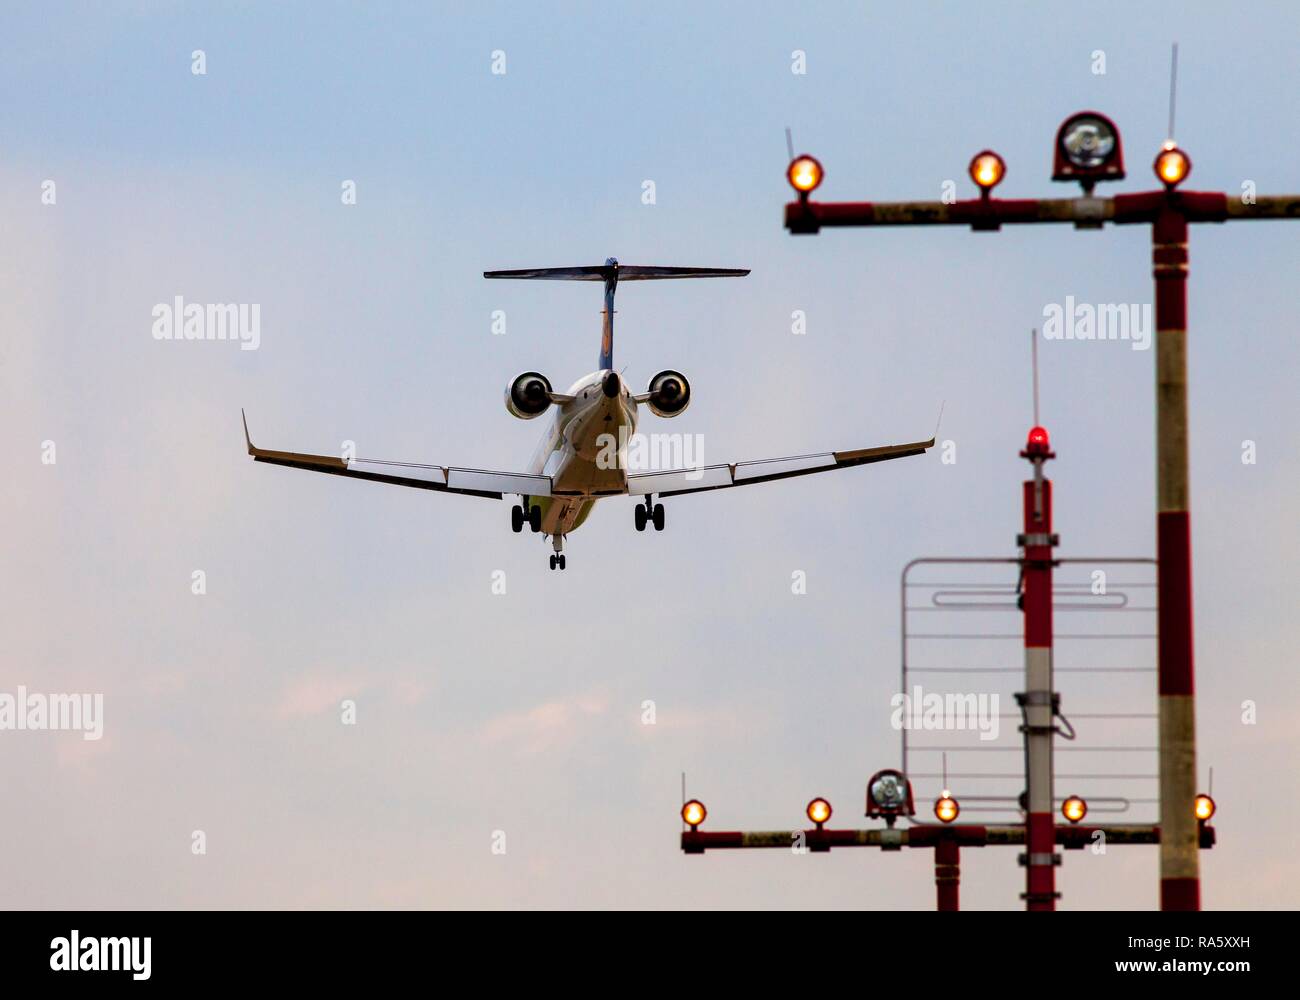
x=611, y=273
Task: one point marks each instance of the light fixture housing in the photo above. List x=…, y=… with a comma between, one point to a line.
x=819, y=811
x=1171, y=165
x=889, y=795
x=805, y=174
x=1088, y=149
x=1074, y=808
x=987, y=169
x=694, y=813
x=946, y=808
x=1205, y=808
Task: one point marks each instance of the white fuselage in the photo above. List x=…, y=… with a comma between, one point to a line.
x=583, y=452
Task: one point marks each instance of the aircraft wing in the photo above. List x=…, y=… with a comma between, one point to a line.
x=719, y=477
x=442, y=479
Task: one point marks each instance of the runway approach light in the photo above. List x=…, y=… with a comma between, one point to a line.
x=946, y=808
x=693, y=813
x=1074, y=808
x=987, y=170
x=889, y=795
x=804, y=174
x=819, y=811
x=1172, y=165
x=1205, y=807
x=1088, y=150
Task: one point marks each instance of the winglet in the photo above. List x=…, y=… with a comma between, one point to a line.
x=940, y=420
x=247, y=439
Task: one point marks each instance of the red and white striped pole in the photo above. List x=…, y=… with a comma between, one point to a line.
x=1180, y=887
x=1038, y=700
x=947, y=874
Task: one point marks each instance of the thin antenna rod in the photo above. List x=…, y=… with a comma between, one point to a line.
x=789, y=142
x=1033, y=342
x=1173, y=88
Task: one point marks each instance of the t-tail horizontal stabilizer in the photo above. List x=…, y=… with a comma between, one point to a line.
x=618, y=272
x=611, y=273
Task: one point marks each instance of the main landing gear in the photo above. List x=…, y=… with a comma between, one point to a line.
x=649, y=512
x=558, y=558
x=519, y=517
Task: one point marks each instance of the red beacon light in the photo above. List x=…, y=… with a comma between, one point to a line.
x=1038, y=445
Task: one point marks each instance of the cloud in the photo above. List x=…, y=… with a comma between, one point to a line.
x=312, y=695
x=548, y=726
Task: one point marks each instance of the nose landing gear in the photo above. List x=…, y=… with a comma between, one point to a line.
x=649, y=513
x=557, y=560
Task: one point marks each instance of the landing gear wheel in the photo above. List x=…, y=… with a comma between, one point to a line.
x=658, y=517
x=553, y=561
x=640, y=517
x=561, y=562
x=535, y=518
x=516, y=519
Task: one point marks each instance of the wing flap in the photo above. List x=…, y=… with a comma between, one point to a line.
x=431, y=474
x=477, y=480
x=783, y=466
x=710, y=477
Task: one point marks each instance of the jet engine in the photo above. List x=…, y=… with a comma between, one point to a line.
x=528, y=395
x=669, y=394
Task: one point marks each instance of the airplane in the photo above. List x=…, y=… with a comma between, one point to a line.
x=573, y=465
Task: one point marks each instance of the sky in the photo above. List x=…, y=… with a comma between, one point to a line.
x=500, y=754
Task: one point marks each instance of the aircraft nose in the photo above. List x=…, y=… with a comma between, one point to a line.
x=611, y=385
